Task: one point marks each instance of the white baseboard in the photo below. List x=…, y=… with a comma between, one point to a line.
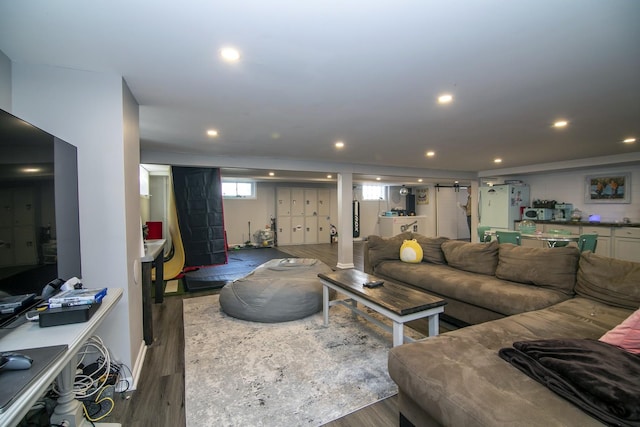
x=135, y=371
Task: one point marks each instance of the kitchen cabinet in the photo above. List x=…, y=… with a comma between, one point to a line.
x=626, y=243
x=394, y=225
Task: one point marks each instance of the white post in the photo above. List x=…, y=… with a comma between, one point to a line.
x=345, y=220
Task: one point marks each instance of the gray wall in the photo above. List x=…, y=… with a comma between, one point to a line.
x=87, y=110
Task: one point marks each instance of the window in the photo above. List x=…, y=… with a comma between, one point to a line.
x=373, y=192
x=238, y=189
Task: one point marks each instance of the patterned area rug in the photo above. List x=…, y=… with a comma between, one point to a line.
x=298, y=373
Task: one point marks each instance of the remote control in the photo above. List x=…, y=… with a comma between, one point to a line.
x=373, y=284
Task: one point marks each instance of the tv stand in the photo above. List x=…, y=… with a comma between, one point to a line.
x=31, y=335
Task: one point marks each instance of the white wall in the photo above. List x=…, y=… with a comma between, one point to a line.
x=87, y=110
x=259, y=211
x=570, y=187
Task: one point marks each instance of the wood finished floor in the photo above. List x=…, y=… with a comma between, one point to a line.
x=159, y=398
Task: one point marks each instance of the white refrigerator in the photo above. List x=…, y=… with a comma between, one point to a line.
x=499, y=205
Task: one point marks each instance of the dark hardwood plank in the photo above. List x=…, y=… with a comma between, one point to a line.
x=159, y=398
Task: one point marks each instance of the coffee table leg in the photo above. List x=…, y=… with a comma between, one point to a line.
x=325, y=304
x=398, y=334
x=434, y=325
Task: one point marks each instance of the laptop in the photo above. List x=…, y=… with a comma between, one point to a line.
x=14, y=383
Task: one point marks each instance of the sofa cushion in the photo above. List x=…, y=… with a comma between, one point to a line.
x=431, y=248
x=609, y=280
x=492, y=294
x=385, y=248
x=626, y=335
x=553, y=268
x=479, y=258
x=457, y=377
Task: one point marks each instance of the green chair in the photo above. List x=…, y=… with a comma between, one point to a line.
x=588, y=242
x=484, y=238
x=508, y=237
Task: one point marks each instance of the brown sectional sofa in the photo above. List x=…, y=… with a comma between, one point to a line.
x=457, y=378
x=479, y=282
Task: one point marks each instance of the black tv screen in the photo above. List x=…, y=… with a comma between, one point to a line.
x=39, y=225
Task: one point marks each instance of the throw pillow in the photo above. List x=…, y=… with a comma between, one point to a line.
x=481, y=258
x=385, y=248
x=626, y=335
x=411, y=251
x=609, y=280
x=553, y=268
x=431, y=248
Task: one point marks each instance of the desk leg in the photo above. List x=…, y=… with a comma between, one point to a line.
x=147, y=320
x=68, y=408
x=159, y=263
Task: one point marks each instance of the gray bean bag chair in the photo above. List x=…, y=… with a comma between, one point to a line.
x=279, y=290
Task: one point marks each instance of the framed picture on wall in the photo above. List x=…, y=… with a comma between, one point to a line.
x=608, y=188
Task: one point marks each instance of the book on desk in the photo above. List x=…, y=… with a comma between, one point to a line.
x=75, y=297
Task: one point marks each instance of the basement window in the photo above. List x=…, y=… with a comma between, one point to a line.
x=373, y=192
x=238, y=189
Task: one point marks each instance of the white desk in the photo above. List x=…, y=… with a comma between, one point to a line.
x=31, y=335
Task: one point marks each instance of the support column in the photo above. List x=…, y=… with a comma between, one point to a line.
x=345, y=221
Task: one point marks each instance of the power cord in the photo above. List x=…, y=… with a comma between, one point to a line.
x=88, y=384
x=96, y=410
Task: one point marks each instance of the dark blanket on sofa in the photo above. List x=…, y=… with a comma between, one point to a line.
x=603, y=380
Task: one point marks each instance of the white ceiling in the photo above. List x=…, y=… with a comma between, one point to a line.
x=364, y=72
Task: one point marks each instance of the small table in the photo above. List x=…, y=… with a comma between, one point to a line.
x=399, y=303
x=552, y=238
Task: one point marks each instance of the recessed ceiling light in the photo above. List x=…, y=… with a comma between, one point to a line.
x=272, y=174
x=329, y=176
x=431, y=153
x=498, y=160
x=560, y=124
x=339, y=144
x=445, y=98
x=629, y=140
x=212, y=133
x=378, y=179
x=31, y=170
x=230, y=54
x=420, y=180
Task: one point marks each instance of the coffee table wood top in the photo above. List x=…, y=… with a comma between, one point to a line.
x=399, y=299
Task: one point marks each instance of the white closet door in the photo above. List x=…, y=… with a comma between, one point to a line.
x=451, y=219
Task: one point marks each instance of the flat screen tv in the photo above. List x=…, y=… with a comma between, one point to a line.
x=39, y=225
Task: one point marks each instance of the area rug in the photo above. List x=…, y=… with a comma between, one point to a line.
x=239, y=264
x=299, y=373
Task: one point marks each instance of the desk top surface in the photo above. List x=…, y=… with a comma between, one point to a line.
x=152, y=249
x=31, y=336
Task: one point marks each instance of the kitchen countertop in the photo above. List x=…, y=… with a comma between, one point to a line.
x=593, y=224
